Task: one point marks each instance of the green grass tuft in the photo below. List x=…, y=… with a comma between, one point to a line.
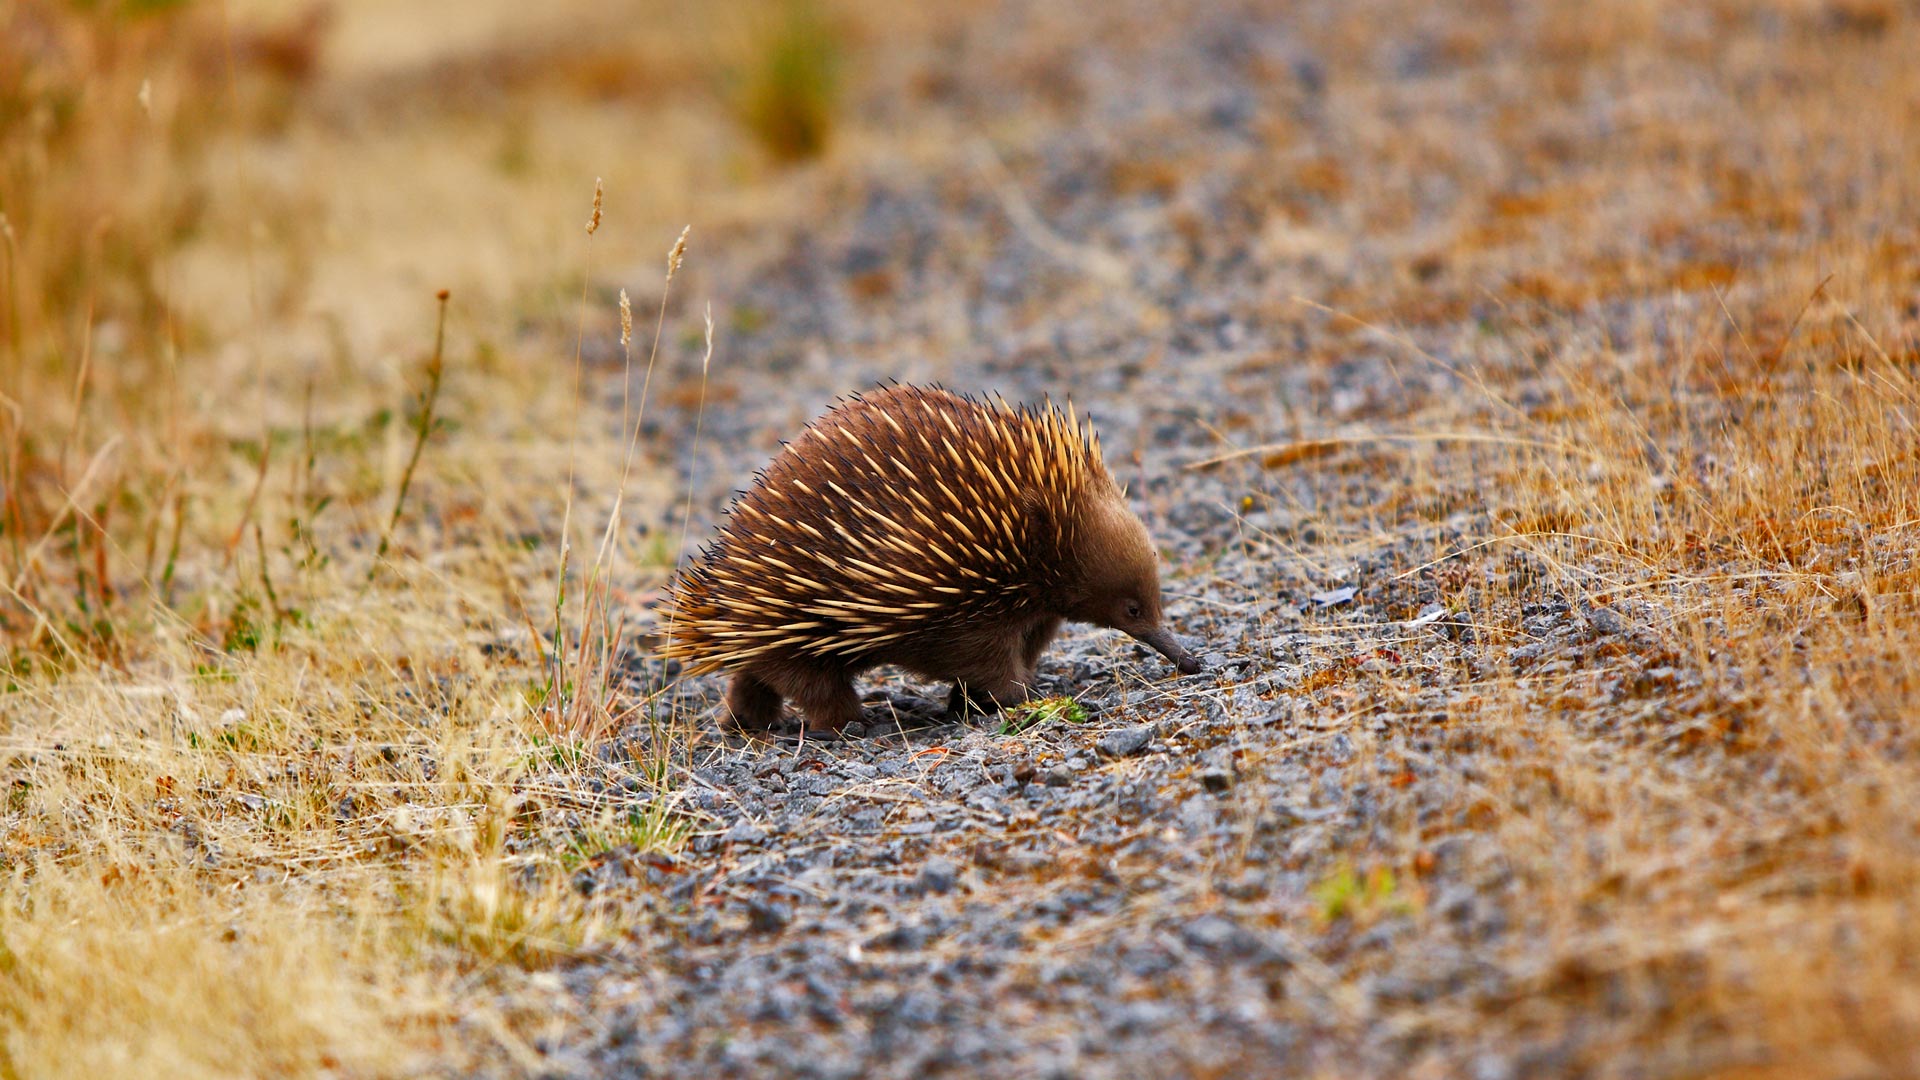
x=789, y=87
x=1032, y=714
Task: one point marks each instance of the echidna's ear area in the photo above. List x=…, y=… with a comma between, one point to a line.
x=900, y=510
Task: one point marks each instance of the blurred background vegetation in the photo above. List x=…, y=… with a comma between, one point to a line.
x=224, y=227
x=310, y=612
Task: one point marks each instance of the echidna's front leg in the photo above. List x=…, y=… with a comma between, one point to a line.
x=1039, y=636
x=989, y=695
x=753, y=704
x=1011, y=681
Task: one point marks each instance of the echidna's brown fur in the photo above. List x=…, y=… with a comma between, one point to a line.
x=920, y=528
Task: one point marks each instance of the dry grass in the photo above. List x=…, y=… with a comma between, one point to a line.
x=1713, y=836
x=1690, y=400
x=288, y=652
x=283, y=657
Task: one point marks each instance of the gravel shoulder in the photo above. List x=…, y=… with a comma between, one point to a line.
x=1455, y=797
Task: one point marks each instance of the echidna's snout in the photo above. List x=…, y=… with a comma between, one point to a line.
x=1163, y=642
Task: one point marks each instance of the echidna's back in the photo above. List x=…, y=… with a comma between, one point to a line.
x=898, y=513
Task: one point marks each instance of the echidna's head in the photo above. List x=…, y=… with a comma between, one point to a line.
x=1118, y=576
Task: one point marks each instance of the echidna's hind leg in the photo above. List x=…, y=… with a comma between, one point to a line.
x=753, y=704
x=826, y=699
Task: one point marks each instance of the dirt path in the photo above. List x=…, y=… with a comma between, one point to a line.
x=1474, y=785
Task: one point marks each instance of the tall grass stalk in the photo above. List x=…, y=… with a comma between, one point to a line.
x=580, y=699
x=556, y=681
x=423, y=429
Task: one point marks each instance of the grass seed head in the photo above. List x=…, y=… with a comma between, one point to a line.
x=677, y=254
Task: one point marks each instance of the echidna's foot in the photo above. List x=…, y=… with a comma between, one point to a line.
x=987, y=697
x=828, y=703
x=752, y=705
x=964, y=702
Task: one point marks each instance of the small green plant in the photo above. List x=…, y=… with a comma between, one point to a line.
x=561, y=752
x=1032, y=714
x=789, y=87
x=652, y=828
x=243, y=631
x=1344, y=894
x=659, y=550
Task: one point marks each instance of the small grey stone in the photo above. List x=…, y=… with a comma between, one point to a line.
x=745, y=832
x=1125, y=742
x=918, y=706
x=1311, y=74
x=1141, y=1016
x=938, y=876
x=918, y=1008
x=985, y=802
x=1455, y=904
x=1492, y=1067
x=768, y=916
x=907, y=937
x=1210, y=932
x=1334, y=597
x=1605, y=620
x=1248, y=886
x=815, y=784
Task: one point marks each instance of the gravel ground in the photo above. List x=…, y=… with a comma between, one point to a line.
x=1146, y=892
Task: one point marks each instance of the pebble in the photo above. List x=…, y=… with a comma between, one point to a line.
x=768, y=916
x=1125, y=742
x=938, y=876
x=745, y=832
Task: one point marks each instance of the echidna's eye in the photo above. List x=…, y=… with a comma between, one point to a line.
x=1133, y=609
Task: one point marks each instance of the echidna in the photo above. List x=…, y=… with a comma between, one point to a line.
x=918, y=527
